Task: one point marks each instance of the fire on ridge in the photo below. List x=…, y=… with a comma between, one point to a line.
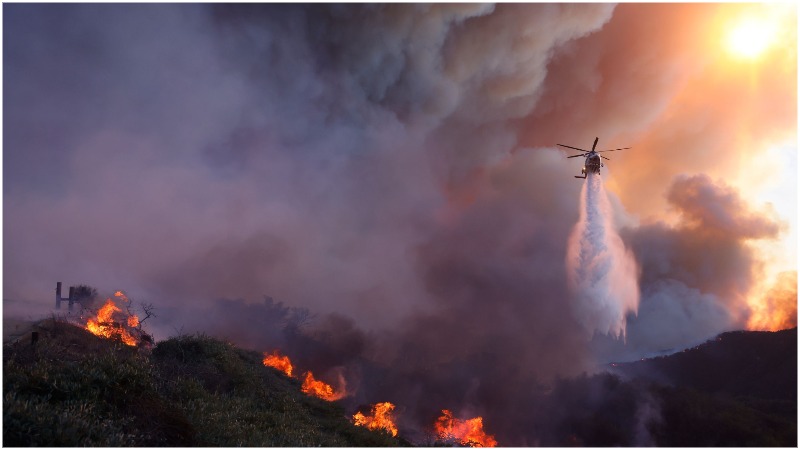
x=463, y=432
x=104, y=325
x=467, y=432
x=311, y=385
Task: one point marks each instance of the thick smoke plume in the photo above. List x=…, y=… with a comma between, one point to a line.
x=602, y=272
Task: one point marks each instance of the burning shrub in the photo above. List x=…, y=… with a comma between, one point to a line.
x=320, y=389
x=381, y=418
x=279, y=362
x=126, y=327
x=463, y=432
x=105, y=326
x=311, y=385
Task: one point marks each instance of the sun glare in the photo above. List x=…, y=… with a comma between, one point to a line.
x=750, y=37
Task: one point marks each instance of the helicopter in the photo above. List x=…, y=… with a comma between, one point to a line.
x=593, y=162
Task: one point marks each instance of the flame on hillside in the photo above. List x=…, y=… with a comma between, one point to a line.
x=279, y=362
x=777, y=309
x=381, y=418
x=464, y=432
x=312, y=386
x=104, y=325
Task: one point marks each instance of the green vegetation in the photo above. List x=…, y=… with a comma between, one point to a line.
x=74, y=389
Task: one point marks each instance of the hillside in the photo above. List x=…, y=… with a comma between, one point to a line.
x=739, y=389
x=757, y=364
x=74, y=389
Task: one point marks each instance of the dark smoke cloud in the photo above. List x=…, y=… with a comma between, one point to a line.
x=718, y=210
x=237, y=151
x=389, y=168
x=696, y=274
x=708, y=249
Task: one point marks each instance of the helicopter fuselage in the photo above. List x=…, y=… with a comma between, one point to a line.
x=592, y=163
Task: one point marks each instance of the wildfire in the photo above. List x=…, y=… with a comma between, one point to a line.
x=319, y=388
x=777, y=308
x=133, y=321
x=105, y=326
x=311, y=386
x=381, y=418
x=465, y=432
x=279, y=362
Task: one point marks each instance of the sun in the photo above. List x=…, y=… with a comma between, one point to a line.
x=750, y=37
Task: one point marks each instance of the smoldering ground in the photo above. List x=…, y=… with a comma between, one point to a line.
x=377, y=165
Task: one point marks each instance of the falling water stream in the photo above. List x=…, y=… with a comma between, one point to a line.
x=601, y=272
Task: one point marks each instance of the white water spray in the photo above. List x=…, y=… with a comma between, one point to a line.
x=602, y=274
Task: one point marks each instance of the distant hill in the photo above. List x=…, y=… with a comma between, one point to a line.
x=739, y=389
x=758, y=364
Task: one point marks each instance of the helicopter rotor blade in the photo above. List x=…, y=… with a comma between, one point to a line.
x=604, y=157
x=574, y=156
x=574, y=148
x=614, y=149
x=595, y=143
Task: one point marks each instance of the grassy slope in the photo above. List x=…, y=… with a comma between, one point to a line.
x=73, y=389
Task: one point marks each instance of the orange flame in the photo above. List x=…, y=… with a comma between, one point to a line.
x=279, y=362
x=105, y=326
x=381, y=418
x=777, y=309
x=319, y=389
x=133, y=321
x=311, y=386
x=466, y=432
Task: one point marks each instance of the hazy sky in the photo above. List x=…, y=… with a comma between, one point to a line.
x=394, y=163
